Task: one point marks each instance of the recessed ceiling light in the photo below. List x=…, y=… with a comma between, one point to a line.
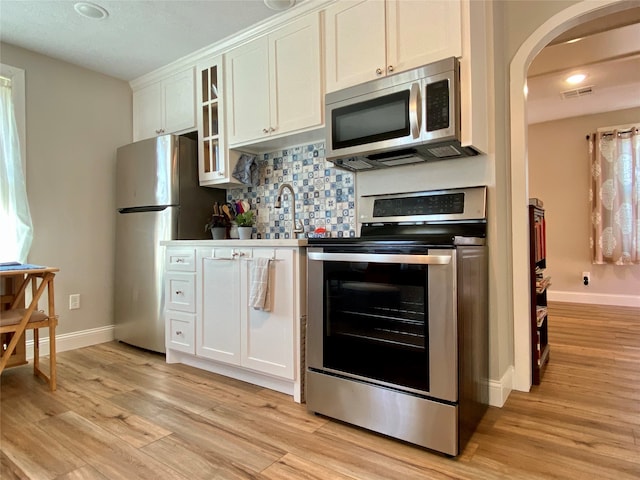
x=90, y=10
x=575, y=79
x=279, y=4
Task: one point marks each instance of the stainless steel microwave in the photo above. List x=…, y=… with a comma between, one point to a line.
x=405, y=118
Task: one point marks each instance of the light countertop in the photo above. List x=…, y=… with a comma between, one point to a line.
x=297, y=242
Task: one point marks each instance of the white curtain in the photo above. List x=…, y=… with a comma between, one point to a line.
x=15, y=220
x=615, y=196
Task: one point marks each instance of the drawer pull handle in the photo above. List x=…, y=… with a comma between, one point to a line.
x=179, y=332
x=179, y=292
x=179, y=260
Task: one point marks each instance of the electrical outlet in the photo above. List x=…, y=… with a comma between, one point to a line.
x=74, y=301
x=586, y=278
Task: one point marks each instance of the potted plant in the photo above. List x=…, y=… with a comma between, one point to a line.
x=245, y=224
x=218, y=224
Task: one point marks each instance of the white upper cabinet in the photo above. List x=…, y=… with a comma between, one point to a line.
x=147, y=112
x=367, y=39
x=274, y=83
x=355, y=42
x=295, y=76
x=166, y=106
x=247, y=78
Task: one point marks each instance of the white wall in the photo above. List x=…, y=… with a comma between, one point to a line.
x=559, y=174
x=75, y=120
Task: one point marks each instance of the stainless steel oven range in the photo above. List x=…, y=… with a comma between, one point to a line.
x=397, y=337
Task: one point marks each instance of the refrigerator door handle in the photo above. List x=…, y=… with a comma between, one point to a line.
x=158, y=208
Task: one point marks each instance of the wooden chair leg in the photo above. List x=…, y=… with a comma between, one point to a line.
x=52, y=354
x=53, y=321
x=36, y=349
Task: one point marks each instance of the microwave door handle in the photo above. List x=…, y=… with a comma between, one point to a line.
x=415, y=110
x=381, y=258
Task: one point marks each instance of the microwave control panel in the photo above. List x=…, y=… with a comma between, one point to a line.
x=437, y=105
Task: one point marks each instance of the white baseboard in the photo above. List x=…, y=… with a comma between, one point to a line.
x=594, y=298
x=499, y=390
x=71, y=341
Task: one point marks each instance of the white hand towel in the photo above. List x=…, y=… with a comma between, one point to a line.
x=259, y=291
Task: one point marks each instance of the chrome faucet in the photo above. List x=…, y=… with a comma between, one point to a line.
x=298, y=227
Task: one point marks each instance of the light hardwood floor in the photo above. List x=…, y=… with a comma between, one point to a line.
x=121, y=413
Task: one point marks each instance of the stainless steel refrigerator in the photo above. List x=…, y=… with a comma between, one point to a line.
x=157, y=198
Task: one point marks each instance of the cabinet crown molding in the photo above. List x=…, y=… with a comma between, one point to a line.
x=218, y=48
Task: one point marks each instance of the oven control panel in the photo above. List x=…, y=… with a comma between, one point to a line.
x=421, y=205
x=429, y=206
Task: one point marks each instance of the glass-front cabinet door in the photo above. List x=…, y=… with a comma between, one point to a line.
x=213, y=156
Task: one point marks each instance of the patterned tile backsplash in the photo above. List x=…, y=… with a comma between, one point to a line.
x=325, y=196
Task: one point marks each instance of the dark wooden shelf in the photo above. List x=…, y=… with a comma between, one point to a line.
x=537, y=264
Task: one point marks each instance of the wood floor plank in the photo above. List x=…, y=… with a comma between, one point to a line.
x=32, y=451
x=292, y=467
x=9, y=470
x=199, y=461
x=124, y=413
x=250, y=452
x=105, y=452
x=87, y=472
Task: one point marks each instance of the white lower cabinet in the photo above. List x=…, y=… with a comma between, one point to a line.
x=231, y=337
x=267, y=337
x=218, y=326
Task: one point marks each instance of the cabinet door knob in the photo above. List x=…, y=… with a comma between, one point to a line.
x=159, y=130
x=264, y=130
x=179, y=332
x=179, y=292
x=271, y=129
x=390, y=68
x=378, y=71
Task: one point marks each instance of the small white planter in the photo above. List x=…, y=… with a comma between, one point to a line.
x=244, y=233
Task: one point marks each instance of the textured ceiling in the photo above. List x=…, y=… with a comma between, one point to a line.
x=137, y=37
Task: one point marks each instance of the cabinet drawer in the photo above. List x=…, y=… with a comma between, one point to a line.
x=180, y=292
x=180, y=260
x=180, y=329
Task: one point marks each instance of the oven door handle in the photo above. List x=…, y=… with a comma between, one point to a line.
x=381, y=258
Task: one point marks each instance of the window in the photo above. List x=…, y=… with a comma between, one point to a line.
x=15, y=218
x=615, y=195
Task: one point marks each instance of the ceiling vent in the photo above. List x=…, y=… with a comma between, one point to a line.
x=577, y=92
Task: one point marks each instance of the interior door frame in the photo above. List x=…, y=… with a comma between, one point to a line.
x=576, y=14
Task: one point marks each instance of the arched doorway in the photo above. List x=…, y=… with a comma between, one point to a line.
x=559, y=23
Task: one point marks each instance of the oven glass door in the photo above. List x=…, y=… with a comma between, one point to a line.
x=383, y=320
